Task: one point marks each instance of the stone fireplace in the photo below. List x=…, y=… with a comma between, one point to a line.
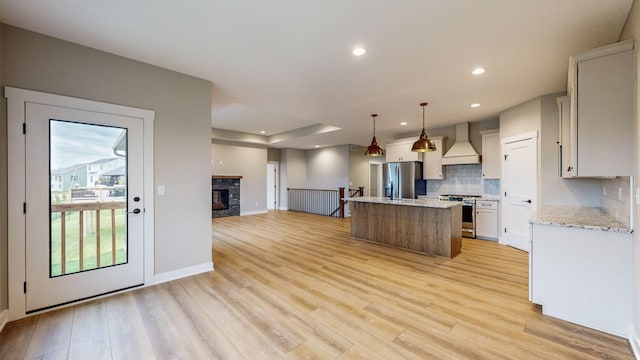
x=225, y=196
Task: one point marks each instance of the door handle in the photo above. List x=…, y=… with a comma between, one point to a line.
x=527, y=201
x=135, y=211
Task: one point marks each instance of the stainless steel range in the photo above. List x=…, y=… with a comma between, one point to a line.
x=468, y=212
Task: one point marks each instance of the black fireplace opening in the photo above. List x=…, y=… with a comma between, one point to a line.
x=219, y=199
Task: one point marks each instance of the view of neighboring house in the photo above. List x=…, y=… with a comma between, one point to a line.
x=88, y=175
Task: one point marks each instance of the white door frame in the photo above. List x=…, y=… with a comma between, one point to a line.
x=16, y=99
x=529, y=135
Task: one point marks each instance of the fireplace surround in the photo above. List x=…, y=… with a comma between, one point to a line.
x=225, y=196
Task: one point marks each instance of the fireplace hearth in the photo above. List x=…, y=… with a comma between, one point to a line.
x=225, y=196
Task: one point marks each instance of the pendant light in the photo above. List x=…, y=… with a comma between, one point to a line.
x=374, y=149
x=423, y=144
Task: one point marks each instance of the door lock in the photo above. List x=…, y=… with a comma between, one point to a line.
x=527, y=201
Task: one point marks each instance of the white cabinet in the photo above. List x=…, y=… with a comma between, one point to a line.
x=602, y=94
x=401, y=151
x=487, y=219
x=432, y=161
x=565, y=169
x=583, y=276
x=491, y=154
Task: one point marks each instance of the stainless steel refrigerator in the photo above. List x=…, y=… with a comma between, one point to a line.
x=403, y=180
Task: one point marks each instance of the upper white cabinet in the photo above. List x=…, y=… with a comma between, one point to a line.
x=401, y=151
x=565, y=168
x=601, y=91
x=432, y=162
x=490, y=154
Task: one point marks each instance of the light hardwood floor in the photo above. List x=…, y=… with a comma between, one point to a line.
x=296, y=286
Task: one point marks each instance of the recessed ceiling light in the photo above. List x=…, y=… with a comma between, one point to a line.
x=478, y=71
x=475, y=105
x=317, y=146
x=403, y=123
x=359, y=51
x=263, y=132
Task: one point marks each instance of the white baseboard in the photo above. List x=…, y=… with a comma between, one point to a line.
x=634, y=341
x=4, y=318
x=245, y=213
x=181, y=273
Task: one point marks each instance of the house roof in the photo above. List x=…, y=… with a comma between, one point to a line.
x=68, y=169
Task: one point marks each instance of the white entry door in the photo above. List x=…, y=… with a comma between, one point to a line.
x=519, y=186
x=84, y=204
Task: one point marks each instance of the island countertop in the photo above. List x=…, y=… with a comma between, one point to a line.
x=406, y=202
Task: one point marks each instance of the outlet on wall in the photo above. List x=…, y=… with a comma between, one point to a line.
x=620, y=193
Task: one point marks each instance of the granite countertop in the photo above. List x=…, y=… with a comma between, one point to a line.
x=406, y=202
x=589, y=218
x=482, y=197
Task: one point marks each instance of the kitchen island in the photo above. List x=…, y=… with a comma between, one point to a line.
x=428, y=226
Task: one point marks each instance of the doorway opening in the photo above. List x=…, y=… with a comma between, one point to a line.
x=375, y=180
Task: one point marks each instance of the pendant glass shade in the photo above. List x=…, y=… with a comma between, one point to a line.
x=423, y=144
x=374, y=149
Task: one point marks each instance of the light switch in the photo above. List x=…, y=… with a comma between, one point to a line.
x=160, y=189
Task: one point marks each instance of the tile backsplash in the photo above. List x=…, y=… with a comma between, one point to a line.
x=615, y=198
x=463, y=180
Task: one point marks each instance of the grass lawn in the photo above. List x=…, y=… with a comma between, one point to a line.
x=89, y=250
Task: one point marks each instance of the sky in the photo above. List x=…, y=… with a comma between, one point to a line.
x=75, y=143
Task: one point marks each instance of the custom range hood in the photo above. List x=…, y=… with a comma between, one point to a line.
x=462, y=152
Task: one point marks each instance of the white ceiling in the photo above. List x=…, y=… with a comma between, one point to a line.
x=281, y=65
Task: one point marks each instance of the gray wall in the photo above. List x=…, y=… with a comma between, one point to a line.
x=273, y=154
x=182, y=126
x=632, y=30
x=520, y=119
x=328, y=168
x=249, y=161
x=293, y=173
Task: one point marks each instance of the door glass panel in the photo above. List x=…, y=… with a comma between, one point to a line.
x=88, y=197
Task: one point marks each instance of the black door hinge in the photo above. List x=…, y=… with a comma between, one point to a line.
x=24, y=128
x=505, y=157
x=24, y=208
x=24, y=287
x=505, y=230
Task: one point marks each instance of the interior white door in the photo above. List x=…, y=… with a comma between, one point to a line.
x=519, y=191
x=272, y=186
x=84, y=204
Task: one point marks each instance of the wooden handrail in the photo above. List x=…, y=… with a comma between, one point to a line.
x=87, y=206
x=63, y=209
